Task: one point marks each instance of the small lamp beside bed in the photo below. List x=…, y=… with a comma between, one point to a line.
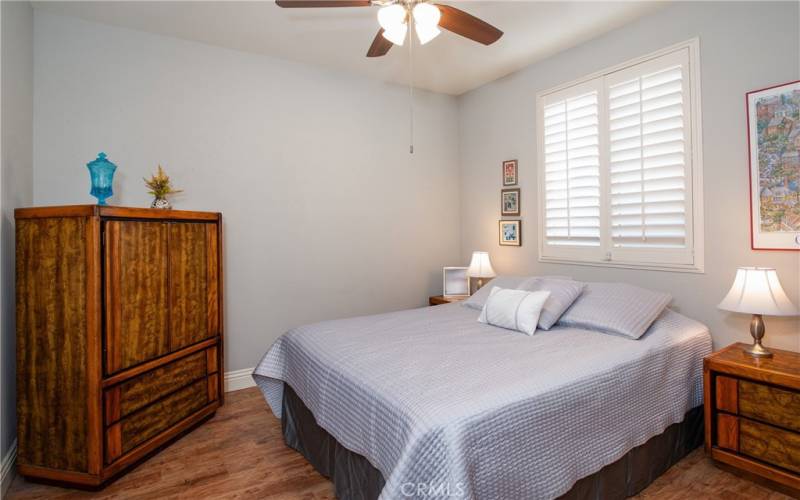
x=757, y=291
x=480, y=267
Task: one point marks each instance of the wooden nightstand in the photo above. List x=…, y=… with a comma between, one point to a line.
x=437, y=300
x=752, y=415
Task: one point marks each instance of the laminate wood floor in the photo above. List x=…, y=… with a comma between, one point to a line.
x=240, y=454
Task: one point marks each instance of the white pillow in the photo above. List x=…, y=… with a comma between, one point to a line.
x=513, y=309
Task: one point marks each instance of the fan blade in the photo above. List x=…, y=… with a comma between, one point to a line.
x=467, y=25
x=380, y=45
x=300, y=4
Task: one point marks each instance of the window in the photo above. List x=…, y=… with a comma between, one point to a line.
x=620, y=166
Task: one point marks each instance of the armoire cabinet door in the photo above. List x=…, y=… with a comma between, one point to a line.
x=193, y=283
x=136, y=288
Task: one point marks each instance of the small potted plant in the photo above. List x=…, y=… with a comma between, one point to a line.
x=160, y=187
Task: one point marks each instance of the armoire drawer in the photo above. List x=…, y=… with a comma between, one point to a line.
x=148, y=422
x=129, y=396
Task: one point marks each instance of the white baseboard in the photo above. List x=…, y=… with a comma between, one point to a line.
x=239, y=379
x=7, y=469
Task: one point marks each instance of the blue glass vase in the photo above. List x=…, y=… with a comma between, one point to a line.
x=102, y=173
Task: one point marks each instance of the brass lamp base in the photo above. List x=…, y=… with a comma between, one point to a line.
x=757, y=330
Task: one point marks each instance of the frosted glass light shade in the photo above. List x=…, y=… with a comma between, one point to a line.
x=426, y=21
x=396, y=35
x=426, y=33
x=391, y=16
x=480, y=266
x=426, y=14
x=757, y=290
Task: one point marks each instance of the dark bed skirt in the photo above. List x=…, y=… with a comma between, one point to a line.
x=354, y=478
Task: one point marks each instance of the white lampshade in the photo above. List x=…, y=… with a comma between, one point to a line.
x=426, y=33
x=757, y=290
x=426, y=14
x=396, y=35
x=392, y=19
x=426, y=21
x=480, y=266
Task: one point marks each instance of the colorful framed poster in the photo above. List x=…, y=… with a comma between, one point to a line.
x=510, y=233
x=773, y=122
x=510, y=173
x=509, y=202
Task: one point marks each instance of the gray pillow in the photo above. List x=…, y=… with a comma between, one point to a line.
x=617, y=308
x=562, y=294
x=478, y=299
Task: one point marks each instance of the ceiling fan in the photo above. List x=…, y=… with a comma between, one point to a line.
x=395, y=16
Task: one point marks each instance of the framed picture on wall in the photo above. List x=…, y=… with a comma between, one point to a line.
x=510, y=173
x=510, y=233
x=773, y=122
x=509, y=202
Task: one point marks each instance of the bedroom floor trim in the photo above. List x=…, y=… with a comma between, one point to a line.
x=239, y=379
x=7, y=468
x=240, y=454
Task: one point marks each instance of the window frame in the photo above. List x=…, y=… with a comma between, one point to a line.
x=695, y=223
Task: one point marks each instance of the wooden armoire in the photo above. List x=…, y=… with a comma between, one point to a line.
x=119, y=335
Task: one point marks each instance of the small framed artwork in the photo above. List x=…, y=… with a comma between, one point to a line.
x=510, y=173
x=510, y=233
x=773, y=122
x=509, y=201
x=455, y=281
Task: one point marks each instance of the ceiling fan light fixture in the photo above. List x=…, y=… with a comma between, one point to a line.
x=426, y=33
x=397, y=34
x=426, y=15
x=391, y=17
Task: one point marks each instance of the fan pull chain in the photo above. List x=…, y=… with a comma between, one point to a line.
x=411, y=92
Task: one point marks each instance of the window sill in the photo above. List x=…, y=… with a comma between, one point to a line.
x=673, y=268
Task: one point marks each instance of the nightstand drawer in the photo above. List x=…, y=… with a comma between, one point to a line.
x=770, y=444
x=769, y=404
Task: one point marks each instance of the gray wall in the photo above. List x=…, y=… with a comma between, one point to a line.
x=326, y=213
x=16, y=181
x=744, y=46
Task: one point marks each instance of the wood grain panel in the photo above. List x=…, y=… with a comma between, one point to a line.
x=212, y=260
x=770, y=444
x=770, y=404
x=727, y=394
x=211, y=360
x=136, y=293
x=728, y=432
x=150, y=421
x=188, y=280
x=52, y=343
x=155, y=384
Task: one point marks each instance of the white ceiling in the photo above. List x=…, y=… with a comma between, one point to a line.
x=338, y=38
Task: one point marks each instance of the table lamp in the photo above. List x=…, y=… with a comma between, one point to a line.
x=480, y=267
x=757, y=291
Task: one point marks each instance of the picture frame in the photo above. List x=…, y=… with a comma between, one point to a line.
x=455, y=282
x=510, y=232
x=773, y=141
x=510, y=173
x=509, y=202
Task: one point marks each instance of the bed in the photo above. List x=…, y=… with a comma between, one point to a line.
x=429, y=403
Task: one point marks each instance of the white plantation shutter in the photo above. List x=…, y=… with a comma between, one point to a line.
x=649, y=163
x=571, y=126
x=617, y=166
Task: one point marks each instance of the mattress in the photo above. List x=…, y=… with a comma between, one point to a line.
x=446, y=407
